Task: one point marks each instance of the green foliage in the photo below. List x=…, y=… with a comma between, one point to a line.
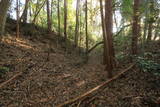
x=30, y=30
x=3, y=70
x=126, y=9
x=122, y=42
x=148, y=65
x=120, y=56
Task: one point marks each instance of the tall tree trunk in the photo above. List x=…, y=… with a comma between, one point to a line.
x=109, y=25
x=58, y=14
x=157, y=29
x=30, y=13
x=151, y=18
x=150, y=28
x=145, y=24
x=108, y=37
x=52, y=4
x=145, y=30
x=80, y=28
x=65, y=21
x=136, y=26
x=17, y=32
x=25, y=12
x=103, y=31
x=86, y=19
x=77, y=24
x=4, y=5
x=48, y=17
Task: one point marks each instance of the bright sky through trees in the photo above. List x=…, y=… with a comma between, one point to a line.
x=94, y=4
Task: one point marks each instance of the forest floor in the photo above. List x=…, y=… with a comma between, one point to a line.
x=47, y=83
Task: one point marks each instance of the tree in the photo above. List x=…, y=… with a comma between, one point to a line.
x=38, y=10
x=108, y=37
x=86, y=28
x=17, y=10
x=65, y=21
x=77, y=24
x=25, y=12
x=58, y=14
x=48, y=16
x=4, y=5
x=135, y=26
x=151, y=20
x=103, y=30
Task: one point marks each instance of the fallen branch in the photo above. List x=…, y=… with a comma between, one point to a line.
x=95, y=89
x=14, y=77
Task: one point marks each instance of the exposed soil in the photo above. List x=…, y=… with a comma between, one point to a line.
x=47, y=83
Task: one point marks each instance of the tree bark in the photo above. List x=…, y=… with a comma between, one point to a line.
x=17, y=32
x=109, y=25
x=108, y=37
x=58, y=14
x=103, y=31
x=86, y=28
x=77, y=24
x=65, y=21
x=4, y=5
x=48, y=17
x=151, y=20
x=135, y=26
x=157, y=29
x=150, y=28
x=25, y=12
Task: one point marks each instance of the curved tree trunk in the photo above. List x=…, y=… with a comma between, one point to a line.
x=4, y=5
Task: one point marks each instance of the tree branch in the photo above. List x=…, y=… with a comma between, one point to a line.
x=38, y=12
x=122, y=29
x=95, y=46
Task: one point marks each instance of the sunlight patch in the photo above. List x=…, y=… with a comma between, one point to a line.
x=17, y=42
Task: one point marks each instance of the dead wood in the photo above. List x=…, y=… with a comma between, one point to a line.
x=88, y=93
x=14, y=77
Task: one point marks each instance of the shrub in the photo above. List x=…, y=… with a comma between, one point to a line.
x=148, y=65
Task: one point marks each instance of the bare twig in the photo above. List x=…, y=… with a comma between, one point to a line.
x=14, y=77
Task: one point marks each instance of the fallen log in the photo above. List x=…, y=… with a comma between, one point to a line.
x=95, y=89
x=14, y=77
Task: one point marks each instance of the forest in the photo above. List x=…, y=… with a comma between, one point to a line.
x=79, y=53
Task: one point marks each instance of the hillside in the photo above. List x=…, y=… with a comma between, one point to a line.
x=79, y=53
x=47, y=80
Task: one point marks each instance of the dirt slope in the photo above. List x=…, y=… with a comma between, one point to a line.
x=46, y=83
